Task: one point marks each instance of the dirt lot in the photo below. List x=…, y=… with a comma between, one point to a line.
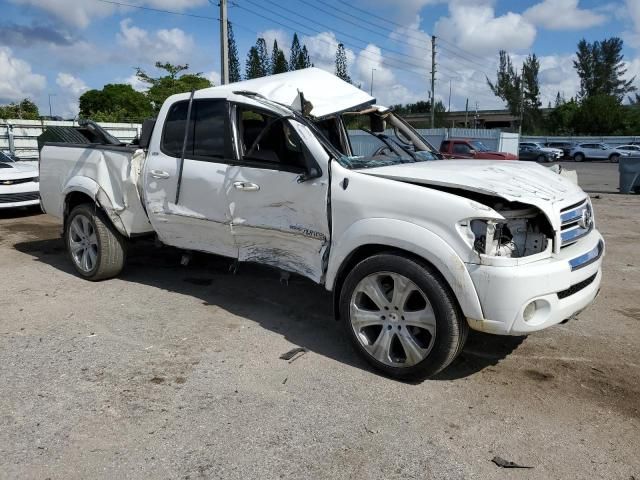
x=173, y=372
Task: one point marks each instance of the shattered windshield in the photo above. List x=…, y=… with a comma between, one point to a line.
x=382, y=139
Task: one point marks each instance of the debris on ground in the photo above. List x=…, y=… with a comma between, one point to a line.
x=294, y=354
x=501, y=462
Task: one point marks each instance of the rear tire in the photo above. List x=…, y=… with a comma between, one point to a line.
x=96, y=249
x=578, y=157
x=401, y=316
x=614, y=158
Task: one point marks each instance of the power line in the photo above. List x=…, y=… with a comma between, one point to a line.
x=365, y=42
x=362, y=53
x=159, y=10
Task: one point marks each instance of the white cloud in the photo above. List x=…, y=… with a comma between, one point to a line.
x=633, y=15
x=80, y=13
x=322, y=50
x=563, y=15
x=213, y=77
x=17, y=81
x=475, y=28
x=282, y=37
x=136, y=83
x=70, y=90
x=164, y=45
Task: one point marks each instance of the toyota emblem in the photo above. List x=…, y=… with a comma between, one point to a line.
x=586, y=221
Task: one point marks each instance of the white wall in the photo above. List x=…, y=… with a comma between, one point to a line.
x=21, y=136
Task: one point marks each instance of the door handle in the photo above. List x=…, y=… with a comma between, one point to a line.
x=246, y=186
x=159, y=174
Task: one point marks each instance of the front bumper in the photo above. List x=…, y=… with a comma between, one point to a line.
x=560, y=286
x=19, y=195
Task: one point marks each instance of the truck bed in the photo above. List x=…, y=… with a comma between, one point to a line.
x=107, y=174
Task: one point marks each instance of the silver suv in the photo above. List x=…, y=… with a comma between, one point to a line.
x=595, y=151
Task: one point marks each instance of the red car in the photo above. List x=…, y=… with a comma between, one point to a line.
x=461, y=148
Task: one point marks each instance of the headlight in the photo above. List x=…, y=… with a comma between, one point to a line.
x=522, y=232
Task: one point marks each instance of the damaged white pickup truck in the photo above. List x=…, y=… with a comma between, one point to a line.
x=415, y=249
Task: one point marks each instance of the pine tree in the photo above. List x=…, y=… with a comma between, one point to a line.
x=296, y=51
x=263, y=54
x=342, y=71
x=253, y=68
x=304, y=60
x=531, y=94
x=278, y=60
x=258, y=64
x=559, y=100
x=601, y=68
x=507, y=86
x=234, y=63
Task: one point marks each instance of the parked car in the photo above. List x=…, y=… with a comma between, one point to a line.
x=564, y=146
x=629, y=149
x=462, y=148
x=596, y=151
x=554, y=153
x=416, y=251
x=528, y=152
x=18, y=182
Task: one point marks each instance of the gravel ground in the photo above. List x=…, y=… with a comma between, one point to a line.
x=173, y=372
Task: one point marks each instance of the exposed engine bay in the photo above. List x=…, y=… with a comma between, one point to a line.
x=525, y=231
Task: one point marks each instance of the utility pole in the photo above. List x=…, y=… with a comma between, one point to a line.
x=50, y=110
x=224, y=44
x=372, y=70
x=476, y=118
x=433, y=81
x=466, y=114
x=449, y=109
x=521, y=102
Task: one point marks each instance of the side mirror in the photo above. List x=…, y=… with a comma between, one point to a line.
x=312, y=173
x=145, y=133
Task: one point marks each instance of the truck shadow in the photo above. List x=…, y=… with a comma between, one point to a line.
x=297, y=309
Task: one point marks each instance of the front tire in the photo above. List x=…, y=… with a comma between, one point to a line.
x=401, y=316
x=96, y=249
x=543, y=159
x=578, y=157
x=615, y=158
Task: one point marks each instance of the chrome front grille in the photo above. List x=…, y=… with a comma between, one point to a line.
x=576, y=222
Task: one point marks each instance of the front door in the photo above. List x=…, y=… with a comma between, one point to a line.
x=200, y=220
x=278, y=219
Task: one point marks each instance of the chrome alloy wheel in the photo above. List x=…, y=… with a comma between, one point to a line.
x=83, y=243
x=392, y=319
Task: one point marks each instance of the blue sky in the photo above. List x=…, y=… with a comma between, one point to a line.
x=64, y=47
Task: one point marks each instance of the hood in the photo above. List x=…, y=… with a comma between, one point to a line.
x=327, y=94
x=522, y=182
x=18, y=170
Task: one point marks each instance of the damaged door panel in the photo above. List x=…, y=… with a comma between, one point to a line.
x=278, y=216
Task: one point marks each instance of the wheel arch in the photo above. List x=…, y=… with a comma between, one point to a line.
x=86, y=190
x=432, y=251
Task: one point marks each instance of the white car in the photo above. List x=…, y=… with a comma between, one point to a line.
x=416, y=251
x=596, y=151
x=629, y=149
x=18, y=182
x=556, y=153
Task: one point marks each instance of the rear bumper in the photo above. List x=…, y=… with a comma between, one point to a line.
x=554, y=289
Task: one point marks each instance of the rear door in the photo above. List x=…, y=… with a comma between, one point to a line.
x=278, y=218
x=200, y=220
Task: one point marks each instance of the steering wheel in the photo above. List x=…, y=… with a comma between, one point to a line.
x=383, y=150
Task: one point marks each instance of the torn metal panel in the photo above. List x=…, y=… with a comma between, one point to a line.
x=106, y=174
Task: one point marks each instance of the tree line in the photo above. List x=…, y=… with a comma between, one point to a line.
x=597, y=109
